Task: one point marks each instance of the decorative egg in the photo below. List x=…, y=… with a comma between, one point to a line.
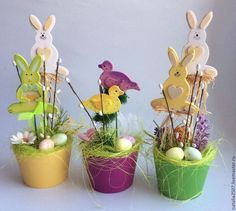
x=46, y=144
x=130, y=138
x=59, y=139
x=191, y=154
x=176, y=153
x=123, y=144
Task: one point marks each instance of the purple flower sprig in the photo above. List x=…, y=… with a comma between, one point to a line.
x=202, y=132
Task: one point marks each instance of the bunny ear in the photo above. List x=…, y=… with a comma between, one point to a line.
x=188, y=58
x=36, y=64
x=173, y=57
x=35, y=22
x=206, y=20
x=191, y=19
x=21, y=62
x=50, y=22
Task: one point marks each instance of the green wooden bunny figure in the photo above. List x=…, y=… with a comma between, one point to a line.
x=30, y=92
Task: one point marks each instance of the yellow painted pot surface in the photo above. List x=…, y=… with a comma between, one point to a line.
x=45, y=171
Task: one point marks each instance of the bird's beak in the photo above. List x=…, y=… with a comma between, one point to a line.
x=100, y=66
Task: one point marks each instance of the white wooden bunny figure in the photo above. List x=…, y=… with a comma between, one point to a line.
x=43, y=45
x=197, y=40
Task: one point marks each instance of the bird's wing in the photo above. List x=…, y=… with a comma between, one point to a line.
x=112, y=80
x=96, y=102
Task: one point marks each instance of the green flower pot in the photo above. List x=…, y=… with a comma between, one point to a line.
x=182, y=180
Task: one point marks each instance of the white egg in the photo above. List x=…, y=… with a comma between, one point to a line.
x=59, y=139
x=175, y=153
x=123, y=144
x=46, y=144
x=191, y=154
x=130, y=138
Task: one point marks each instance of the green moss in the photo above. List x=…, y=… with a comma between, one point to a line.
x=105, y=119
x=29, y=150
x=98, y=149
x=208, y=155
x=123, y=98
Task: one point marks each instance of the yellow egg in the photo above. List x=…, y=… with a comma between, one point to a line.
x=123, y=144
x=176, y=153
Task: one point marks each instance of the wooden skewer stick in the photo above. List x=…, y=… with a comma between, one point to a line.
x=44, y=113
x=168, y=108
x=101, y=99
x=81, y=104
x=199, y=86
x=191, y=101
x=35, y=126
x=116, y=126
x=54, y=94
x=200, y=102
x=196, y=96
x=44, y=90
x=17, y=70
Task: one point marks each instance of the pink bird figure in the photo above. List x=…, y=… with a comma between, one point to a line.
x=110, y=78
x=89, y=135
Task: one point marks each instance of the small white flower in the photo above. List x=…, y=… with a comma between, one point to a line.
x=23, y=138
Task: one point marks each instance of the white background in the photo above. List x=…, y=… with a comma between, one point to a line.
x=135, y=35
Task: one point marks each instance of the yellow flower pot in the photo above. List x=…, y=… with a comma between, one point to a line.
x=45, y=170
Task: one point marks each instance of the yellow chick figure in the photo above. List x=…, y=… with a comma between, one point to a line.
x=106, y=103
x=176, y=87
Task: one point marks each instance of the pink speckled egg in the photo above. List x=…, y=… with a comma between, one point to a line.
x=46, y=144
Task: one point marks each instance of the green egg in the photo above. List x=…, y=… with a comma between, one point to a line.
x=59, y=139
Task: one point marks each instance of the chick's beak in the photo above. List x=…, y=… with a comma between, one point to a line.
x=121, y=92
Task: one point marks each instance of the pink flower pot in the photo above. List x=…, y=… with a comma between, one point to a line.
x=112, y=175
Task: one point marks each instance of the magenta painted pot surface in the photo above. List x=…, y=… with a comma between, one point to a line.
x=112, y=175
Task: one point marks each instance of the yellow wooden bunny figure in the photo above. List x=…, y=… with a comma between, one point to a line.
x=176, y=87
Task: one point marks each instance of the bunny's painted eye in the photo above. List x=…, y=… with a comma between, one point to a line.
x=26, y=74
x=31, y=74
